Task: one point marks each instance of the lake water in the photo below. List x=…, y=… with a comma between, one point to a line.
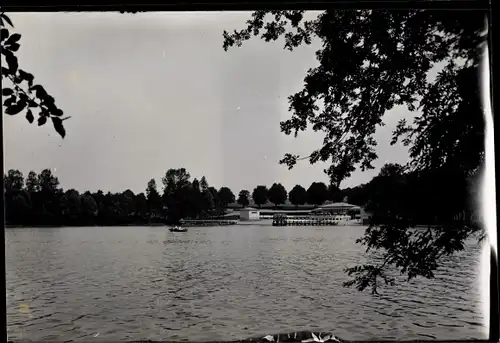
x=222, y=283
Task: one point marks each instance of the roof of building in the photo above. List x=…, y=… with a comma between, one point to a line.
x=249, y=209
x=336, y=205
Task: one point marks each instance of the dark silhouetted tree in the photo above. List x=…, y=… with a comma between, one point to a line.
x=48, y=200
x=208, y=203
x=71, y=204
x=203, y=184
x=175, y=179
x=197, y=199
x=277, y=194
x=298, y=195
x=317, y=193
x=259, y=195
x=196, y=185
x=18, y=207
x=88, y=208
x=153, y=199
x=214, y=194
x=226, y=197
x=127, y=203
x=48, y=182
x=243, y=198
x=32, y=184
x=334, y=193
x=17, y=200
x=175, y=193
x=14, y=181
x=141, y=206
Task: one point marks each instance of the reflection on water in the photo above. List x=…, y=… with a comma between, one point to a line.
x=222, y=283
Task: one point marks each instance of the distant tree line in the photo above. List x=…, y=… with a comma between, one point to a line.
x=317, y=194
x=38, y=199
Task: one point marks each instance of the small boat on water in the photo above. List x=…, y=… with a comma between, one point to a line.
x=177, y=229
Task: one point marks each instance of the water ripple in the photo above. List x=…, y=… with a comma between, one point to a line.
x=222, y=284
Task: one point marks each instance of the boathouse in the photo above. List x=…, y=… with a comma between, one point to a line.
x=337, y=208
x=249, y=213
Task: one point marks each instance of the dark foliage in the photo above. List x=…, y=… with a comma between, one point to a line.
x=369, y=62
x=259, y=195
x=298, y=195
x=39, y=200
x=20, y=93
x=277, y=194
x=244, y=198
x=225, y=196
x=317, y=193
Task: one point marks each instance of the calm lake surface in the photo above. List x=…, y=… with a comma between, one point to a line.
x=222, y=283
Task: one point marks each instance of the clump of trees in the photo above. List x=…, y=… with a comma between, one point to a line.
x=317, y=194
x=38, y=199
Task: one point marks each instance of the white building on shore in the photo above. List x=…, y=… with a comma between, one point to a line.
x=249, y=213
x=338, y=208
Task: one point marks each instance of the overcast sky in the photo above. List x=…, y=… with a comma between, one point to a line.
x=153, y=91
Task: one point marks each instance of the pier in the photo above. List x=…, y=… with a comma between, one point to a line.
x=304, y=221
x=207, y=222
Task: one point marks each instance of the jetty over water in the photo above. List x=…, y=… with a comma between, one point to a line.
x=207, y=222
x=282, y=220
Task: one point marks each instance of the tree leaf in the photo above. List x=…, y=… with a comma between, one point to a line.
x=12, y=63
x=4, y=34
x=26, y=76
x=5, y=71
x=40, y=91
x=6, y=52
x=23, y=101
x=14, y=109
x=13, y=38
x=42, y=120
x=57, y=112
x=7, y=19
x=29, y=116
x=49, y=100
x=9, y=101
x=58, y=126
x=7, y=91
x=24, y=98
x=35, y=88
x=13, y=47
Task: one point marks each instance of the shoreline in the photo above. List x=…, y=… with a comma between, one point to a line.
x=293, y=341
x=242, y=223
x=14, y=226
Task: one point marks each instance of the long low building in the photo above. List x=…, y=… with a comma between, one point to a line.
x=337, y=208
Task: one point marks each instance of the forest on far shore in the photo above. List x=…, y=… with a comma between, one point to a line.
x=39, y=200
